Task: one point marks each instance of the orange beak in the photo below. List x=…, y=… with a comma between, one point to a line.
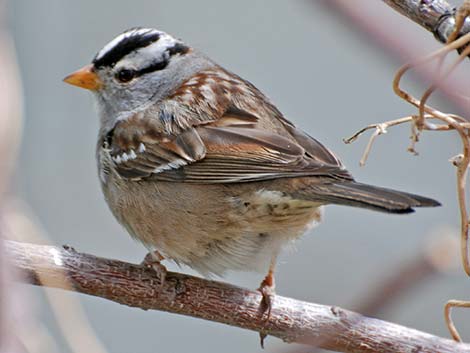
x=85, y=78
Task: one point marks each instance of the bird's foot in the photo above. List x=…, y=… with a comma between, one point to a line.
x=267, y=291
x=153, y=260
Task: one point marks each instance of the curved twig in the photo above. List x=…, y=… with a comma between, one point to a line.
x=450, y=122
x=447, y=314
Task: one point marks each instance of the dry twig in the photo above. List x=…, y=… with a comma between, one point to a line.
x=291, y=320
x=447, y=122
x=447, y=314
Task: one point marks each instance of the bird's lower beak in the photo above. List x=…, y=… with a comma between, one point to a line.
x=85, y=78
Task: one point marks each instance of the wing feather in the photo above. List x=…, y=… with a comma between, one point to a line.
x=228, y=148
x=235, y=154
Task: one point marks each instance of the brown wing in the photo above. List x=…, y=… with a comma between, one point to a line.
x=313, y=148
x=229, y=150
x=239, y=154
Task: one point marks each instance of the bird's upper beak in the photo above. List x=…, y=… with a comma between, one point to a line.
x=86, y=77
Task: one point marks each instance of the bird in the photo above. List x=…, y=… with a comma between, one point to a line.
x=201, y=167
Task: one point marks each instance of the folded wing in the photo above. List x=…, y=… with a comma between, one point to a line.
x=230, y=150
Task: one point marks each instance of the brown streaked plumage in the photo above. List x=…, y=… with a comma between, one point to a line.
x=237, y=145
x=200, y=166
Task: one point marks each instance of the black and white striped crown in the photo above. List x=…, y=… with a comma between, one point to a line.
x=149, y=41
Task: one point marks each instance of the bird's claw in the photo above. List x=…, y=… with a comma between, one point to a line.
x=153, y=261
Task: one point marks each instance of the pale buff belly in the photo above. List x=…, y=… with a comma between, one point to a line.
x=211, y=228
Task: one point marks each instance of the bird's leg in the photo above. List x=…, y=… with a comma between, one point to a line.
x=267, y=291
x=153, y=260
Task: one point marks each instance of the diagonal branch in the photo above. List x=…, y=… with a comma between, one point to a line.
x=437, y=16
x=291, y=320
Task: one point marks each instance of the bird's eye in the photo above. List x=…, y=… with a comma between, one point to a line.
x=125, y=75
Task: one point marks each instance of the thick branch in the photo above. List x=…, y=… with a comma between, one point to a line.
x=291, y=320
x=437, y=16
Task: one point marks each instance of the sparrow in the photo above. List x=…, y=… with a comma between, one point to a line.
x=202, y=168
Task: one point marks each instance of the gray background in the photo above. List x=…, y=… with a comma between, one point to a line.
x=310, y=62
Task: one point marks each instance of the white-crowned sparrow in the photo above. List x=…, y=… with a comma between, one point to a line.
x=201, y=167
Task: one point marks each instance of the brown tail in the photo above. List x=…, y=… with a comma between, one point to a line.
x=367, y=196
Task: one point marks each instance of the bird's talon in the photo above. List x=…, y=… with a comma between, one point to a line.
x=267, y=300
x=262, y=336
x=160, y=272
x=152, y=260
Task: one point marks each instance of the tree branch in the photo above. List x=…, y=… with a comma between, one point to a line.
x=437, y=16
x=291, y=320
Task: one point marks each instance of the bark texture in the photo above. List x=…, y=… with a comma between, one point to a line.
x=291, y=320
x=437, y=16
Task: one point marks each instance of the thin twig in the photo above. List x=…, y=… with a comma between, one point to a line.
x=464, y=162
x=291, y=320
x=450, y=122
x=447, y=314
x=381, y=128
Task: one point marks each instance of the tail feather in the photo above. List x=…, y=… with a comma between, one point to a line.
x=367, y=196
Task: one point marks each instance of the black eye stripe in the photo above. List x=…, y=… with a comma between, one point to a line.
x=157, y=66
x=178, y=48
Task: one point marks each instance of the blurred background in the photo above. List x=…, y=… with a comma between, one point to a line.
x=329, y=69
